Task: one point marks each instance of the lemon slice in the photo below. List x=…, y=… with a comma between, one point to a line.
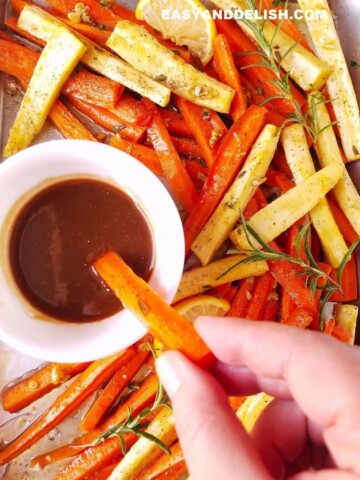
x=204, y=305
x=195, y=307
x=185, y=22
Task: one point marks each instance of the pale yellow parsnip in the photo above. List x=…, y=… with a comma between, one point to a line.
x=339, y=84
x=42, y=25
x=283, y=212
x=307, y=70
x=144, y=451
x=56, y=63
x=328, y=153
x=228, y=213
x=217, y=273
x=134, y=44
x=346, y=317
x=302, y=167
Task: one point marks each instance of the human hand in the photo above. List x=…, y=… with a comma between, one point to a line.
x=310, y=431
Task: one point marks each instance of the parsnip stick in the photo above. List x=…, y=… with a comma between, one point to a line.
x=302, y=167
x=238, y=196
x=328, y=48
x=279, y=215
x=328, y=153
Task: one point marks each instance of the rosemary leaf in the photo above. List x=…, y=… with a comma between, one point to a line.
x=154, y=439
x=345, y=259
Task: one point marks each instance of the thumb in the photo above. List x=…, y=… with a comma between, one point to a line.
x=213, y=440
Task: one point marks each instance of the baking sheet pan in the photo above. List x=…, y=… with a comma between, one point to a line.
x=13, y=364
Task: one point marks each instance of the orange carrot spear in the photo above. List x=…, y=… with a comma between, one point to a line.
x=228, y=74
x=39, y=384
x=138, y=400
x=162, y=321
x=112, y=390
x=86, y=384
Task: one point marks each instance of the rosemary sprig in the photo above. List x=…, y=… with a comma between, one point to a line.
x=136, y=424
x=272, y=60
x=309, y=267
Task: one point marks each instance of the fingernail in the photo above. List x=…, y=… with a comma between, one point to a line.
x=168, y=372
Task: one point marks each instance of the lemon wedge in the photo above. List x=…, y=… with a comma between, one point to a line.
x=191, y=308
x=204, y=305
x=185, y=22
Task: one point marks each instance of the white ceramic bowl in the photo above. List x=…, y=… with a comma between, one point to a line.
x=26, y=173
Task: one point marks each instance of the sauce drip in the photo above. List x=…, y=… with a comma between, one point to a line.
x=61, y=231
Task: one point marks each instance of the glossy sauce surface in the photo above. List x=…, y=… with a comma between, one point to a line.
x=58, y=235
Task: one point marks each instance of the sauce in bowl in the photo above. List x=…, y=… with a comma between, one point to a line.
x=60, y=232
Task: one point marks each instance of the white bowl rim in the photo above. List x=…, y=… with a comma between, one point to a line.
x=62, y=341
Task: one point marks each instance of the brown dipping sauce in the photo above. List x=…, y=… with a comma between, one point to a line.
x=61, y=231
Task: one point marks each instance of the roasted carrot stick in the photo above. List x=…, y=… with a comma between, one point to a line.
x=83, y=85
x=211, y=70
x=329, y=326
x=104, y=473
x=343, y=223
x=229, y=159
x=175, y=123
x=236, y=402
x=106, y=119
x=112, y=390
x=280, y=163
x=95, y=458
x=263, y=287
x=228, y=74
x=17, y=60
x=98, y=14
x=276, y=119
x=162, y=321
x=251, y=208
x=187, y=147
x=145, y=155
x=287, y=25
x=287, y=275
x=50, y=376
x=242, y=298
x=261, y=77
x=95, y=89
x=174, y=170
x=260, y=197
x=20, y=62
x=348, y=283
x=254, y=95
x=163, y=463
x=287, y=305
x=279, y=179
x=230, y=293
x=137, y=401
x=223, y=291
x=341, y=334
x=184, y=146
x=271, y=311
x=120, y=10
x=205, y=125
x=94, y=33
x=299, y=317
x=87, y=383
x=133, y=110
x=197, y=172
x=172, y=473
